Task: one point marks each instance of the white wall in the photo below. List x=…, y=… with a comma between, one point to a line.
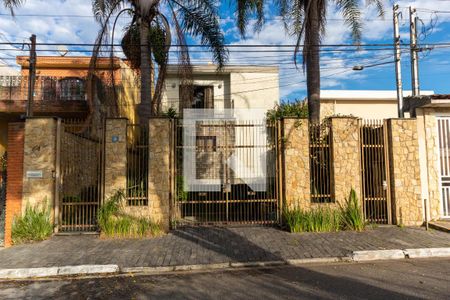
x=237, y=89
x=255, y=90
x=221, y=85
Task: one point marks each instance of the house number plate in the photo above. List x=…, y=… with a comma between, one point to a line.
x=34, y=174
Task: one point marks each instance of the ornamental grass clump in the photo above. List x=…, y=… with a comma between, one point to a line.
x=352, y=215
x=32, y=226
x=114, y=223
x=316, y=220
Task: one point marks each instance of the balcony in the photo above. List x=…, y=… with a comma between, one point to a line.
x=53, y=96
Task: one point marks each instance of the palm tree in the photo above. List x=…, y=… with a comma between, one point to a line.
x=306, y=21
x=11, y=4
x=147, y=38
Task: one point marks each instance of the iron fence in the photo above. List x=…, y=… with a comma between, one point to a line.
x=375, y=172
x=227, y=158
x=320, y=162
x=137, y=165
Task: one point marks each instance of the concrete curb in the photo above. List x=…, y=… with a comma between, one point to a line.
x=58, y=271
x=427, y=252
x=356, y=256
x=371, y=255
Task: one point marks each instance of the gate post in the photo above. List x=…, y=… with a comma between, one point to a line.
x=115, y=156
x=346, y=157
x=159, y=181
x=405, y=172
x=39, y=163
x=295, y=165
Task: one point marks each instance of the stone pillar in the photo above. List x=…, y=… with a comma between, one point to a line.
x=115, y=156
x=405, y=172
x=346, y=154
x=39, y=163
x=14, y=171
x=295, y=164
x=160, y=149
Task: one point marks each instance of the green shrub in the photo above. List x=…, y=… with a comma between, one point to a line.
x=352, y=215
x=297, y=108
x=33, y=225
x=113, y=222
x=315, y=220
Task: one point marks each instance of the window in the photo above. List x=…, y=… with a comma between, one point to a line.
x=197, y=96
x=71, y=89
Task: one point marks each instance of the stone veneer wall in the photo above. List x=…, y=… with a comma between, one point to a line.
x=346, y=159
x=405, y=172
x=295, y=164
x=39, y=155
x=346, y=172
x=115, y=156
x=160, y=149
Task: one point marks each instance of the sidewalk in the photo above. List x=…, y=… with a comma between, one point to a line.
x=214, y=245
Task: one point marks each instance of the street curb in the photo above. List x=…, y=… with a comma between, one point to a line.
x=356, y=256
x=22, y=273
x=370, y=255
x=427, y=252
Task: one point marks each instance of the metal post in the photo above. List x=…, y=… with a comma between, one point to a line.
x=398, y=66
x=413, y=50
x=31, y=75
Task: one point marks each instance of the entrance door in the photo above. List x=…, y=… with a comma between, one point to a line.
x=443, y=124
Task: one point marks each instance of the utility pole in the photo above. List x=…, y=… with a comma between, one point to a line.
x=413, y=51
x=31, y=76
x=398, y=65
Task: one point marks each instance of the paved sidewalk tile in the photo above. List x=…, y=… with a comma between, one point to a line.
x=210, y=245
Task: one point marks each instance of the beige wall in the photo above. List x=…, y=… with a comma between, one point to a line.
x=365, y=109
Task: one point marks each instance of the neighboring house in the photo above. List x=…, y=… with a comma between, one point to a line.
x=233, y=87
x=61, y=90
x=365, y=104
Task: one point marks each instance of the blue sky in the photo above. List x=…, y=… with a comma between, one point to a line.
x=71, y=22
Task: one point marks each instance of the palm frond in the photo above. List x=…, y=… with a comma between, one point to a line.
x=198, y=23
x=11, y=4
x=352, y=16
x=245, y=9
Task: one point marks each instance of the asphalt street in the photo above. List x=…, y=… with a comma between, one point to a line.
x=402, y=279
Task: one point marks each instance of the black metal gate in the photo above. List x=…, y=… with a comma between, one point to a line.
x=375, y=172
x=227, y=158
x=80, y=174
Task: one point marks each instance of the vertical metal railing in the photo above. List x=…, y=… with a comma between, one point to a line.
x=320, y=162
x=375, y=173
x=137, y=165
x=229, y=156
x=443, y=124
x=81, y=175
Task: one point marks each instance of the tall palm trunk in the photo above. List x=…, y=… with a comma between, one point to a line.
x=313, y=65
x=145, y=107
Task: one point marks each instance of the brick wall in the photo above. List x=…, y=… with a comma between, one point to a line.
x=15, y=175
